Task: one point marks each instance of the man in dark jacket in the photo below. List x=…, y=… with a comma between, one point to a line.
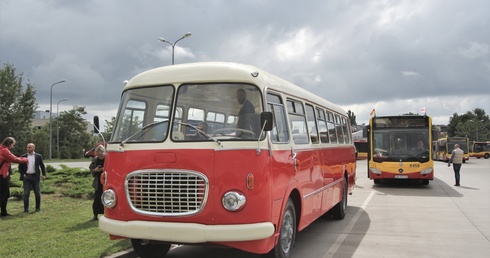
x=30, y=174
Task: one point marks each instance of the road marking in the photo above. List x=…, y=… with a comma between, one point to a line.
x=335, y=247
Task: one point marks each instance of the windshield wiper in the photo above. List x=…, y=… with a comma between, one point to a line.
x=201, y=131
x=141, y=130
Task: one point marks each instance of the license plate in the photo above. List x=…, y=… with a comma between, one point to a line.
x=401, y=176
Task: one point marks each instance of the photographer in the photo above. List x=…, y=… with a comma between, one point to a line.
x=96, y=168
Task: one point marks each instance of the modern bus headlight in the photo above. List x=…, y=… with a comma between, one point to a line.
x=375, y=171
x=426, y=171
x=233, y=201
x=109, y=198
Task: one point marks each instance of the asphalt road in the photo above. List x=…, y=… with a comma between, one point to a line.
x=398, y=219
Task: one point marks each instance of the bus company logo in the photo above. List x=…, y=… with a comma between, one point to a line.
x=400, y=164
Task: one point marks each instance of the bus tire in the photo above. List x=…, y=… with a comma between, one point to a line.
x=425, y=182
x=146, y=249
x=377, y=181
x=338, y=211
x=486, y=156
x=287, y=234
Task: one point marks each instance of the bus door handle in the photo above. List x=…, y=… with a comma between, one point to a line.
x=293, y=157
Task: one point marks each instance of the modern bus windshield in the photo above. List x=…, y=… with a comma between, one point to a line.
x=396, y=139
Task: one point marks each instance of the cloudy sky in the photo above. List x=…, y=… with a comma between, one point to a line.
x=394, y=56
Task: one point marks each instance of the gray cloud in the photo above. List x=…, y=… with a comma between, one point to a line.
x=395, y=56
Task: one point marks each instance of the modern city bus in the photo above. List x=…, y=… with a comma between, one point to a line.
x=480, y=150
x=443, y=148
x=400, y=148
x=223, y=154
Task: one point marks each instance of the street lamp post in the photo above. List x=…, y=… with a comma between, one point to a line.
x=50, y=119
x=188, y=34
x=58, y=127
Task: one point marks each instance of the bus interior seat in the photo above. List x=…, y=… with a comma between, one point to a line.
x=177, y=136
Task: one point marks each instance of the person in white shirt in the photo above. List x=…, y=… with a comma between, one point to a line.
x=30, y=174
x=457, y=160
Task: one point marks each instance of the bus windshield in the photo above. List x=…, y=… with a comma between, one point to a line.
x=396, y=144
x=401, y=138
x=198, y=112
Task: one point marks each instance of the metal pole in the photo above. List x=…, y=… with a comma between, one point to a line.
x=188, y=34
x=50, y=119
x=58, y=128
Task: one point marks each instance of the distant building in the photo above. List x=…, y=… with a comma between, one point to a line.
x=41, y=118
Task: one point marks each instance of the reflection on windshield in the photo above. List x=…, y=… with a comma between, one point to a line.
x=222, y=111
x=401, y=145
x=198, y=112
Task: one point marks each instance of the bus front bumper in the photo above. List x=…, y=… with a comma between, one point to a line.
x=387, y=175
x=186, y=232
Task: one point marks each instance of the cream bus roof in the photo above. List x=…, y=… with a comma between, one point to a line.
x=205, y=72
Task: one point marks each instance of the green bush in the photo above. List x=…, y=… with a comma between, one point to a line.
x=66, y=181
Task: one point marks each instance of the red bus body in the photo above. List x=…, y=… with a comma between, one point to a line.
x=310, y=176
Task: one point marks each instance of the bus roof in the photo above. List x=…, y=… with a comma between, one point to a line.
x=209, y=72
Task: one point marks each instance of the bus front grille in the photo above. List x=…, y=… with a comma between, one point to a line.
x=166, y=192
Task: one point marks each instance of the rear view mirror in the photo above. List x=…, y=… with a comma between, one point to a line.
x=266, y=121
x=96, y=124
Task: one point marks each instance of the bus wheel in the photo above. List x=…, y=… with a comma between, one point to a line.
x=287, y=234
x=377, y=181
x=486, y=156
x=146, y=249
x=425, y=182
x=338, y=211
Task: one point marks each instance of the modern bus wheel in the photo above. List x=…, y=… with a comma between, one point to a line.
x=338, y=211
x=146, y=249
x=486, y=155
x=287, y=234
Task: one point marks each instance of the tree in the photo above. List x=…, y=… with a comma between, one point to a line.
x=109, y=128
x=17, y=107
x=470, y=124
x=352, y=117
x=73, y=134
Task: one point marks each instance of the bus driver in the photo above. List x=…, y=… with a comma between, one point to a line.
x=246, y=113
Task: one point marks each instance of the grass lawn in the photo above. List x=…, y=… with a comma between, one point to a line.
x=63, y=228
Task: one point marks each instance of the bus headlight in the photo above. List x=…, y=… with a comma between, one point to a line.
x=233, y=201
x=109, y=198
x=426, y=171
x=375, y=171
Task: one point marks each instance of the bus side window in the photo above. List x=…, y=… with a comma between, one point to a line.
x=345, y=128
x=331, y=128
x=279, y=132
x=340, y=134
x=322, y=126
x=297, y=118
x=310, y=115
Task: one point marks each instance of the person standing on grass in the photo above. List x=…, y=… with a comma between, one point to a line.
x=30, y=174
x=457, y=160
x=96, y=168
x=6, y=158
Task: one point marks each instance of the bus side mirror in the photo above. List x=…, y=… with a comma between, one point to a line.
x=266, y=121
x=96, y=124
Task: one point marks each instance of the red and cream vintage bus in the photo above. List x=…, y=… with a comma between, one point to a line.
x=223, y=154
